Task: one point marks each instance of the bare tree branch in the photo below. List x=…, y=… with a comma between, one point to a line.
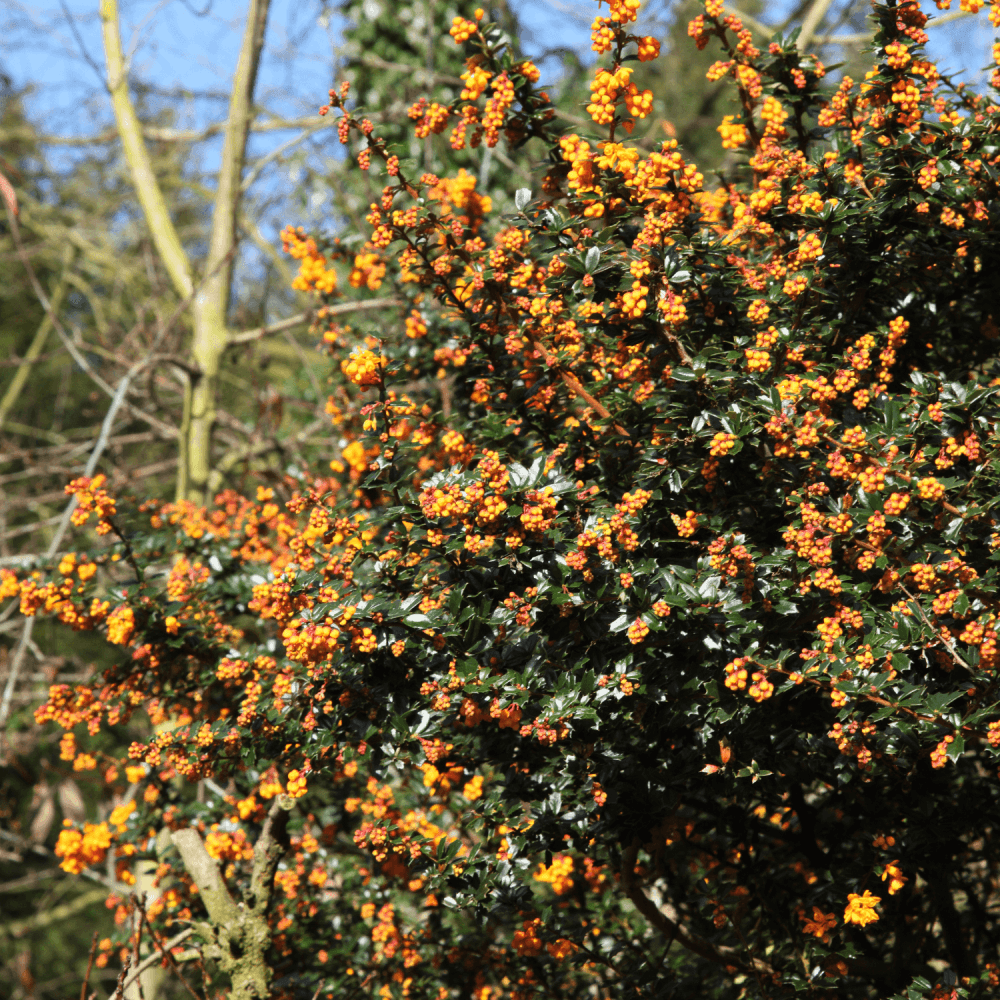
x=156, y=133
x=238, y=935
x=865, y=36
x=722, y=955
x=46, y=917
x=264, y=161
x=25, y=641
x=78, y=357
x=140, y=165
x=813, y=19
x=202, y=868
x=342, y=309
x=26, y=429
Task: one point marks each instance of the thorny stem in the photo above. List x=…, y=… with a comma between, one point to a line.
x=90, y=965
x=386, y=412
x=947, y=645
x=120, y=987
x=139, y=908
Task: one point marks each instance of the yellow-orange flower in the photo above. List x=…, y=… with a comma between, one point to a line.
x=78, y=850
x=363, y=368
x=895, y=876
x=121, y=625
x=560, y=948
x=820, y=924
x=861, y=909
x=637, y=631
x=559, y=874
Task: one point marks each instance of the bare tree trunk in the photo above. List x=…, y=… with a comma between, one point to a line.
x=237, y=934
x=140, y=165
x=212, y=302
x=209, y=307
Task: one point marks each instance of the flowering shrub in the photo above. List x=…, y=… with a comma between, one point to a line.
x=648, y=619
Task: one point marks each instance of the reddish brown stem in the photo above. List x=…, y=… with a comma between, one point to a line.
x=90, y=965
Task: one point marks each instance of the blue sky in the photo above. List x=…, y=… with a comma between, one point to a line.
x=174, y=47
x=192, y=45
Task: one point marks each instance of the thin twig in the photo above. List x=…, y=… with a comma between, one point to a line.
x=866, y=36
x=88, y=58
x=572, y=383
x=165, y=950
x=343, y=309
x=28, y=881
x=950, y=646
x=261, y=165
x=29, y=431
x=417, y=72
x=120, y=987
x=138, y=905
x=147, y=962
x=721, y=955
x=26, y=530
x=90, y=965
x=156, y=133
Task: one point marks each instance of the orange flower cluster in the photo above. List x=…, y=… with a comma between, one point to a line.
x=92, y=498
x=57, y=597
x=368, y=271
x=607, y=88
x=861, y=908
x=559, y=874
x=314, y=275
x=81, y=849
x=364, y=368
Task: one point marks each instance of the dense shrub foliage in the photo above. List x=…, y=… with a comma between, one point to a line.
x=641, y=638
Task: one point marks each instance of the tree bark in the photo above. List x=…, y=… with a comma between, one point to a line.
x=140, y=165
x=237, y=935
x=211, y=302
